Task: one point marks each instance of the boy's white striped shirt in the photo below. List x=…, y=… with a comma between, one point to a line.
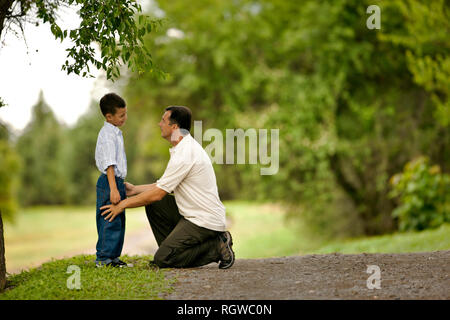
x=110, y=150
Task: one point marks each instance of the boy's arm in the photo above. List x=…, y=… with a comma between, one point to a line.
x=114, y=195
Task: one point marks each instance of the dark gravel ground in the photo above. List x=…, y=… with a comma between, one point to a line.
x=422, y=275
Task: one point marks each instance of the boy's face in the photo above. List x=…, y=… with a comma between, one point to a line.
x=119, y=118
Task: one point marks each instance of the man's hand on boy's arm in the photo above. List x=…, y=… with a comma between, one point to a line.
x=113, y=210
x=152, y=194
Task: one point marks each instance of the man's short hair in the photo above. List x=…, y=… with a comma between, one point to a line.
x=110, y=102
x=180, y=115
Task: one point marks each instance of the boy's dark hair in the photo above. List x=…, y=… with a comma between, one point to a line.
x=180, y=115
x=109, y=102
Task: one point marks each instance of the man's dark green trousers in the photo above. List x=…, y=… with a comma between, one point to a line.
x=182, y=244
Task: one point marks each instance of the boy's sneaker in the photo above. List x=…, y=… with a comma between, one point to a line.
x=226, y=250
x=120, y=264
x=101, y=264
x=117, y=263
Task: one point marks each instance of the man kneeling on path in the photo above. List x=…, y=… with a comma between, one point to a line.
x=189, y=226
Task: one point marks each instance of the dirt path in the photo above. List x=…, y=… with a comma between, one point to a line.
x=332, y=276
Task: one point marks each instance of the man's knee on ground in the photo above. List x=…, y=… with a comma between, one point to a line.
x=161, y=258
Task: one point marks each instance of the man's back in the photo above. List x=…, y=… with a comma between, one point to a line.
x=190, y=175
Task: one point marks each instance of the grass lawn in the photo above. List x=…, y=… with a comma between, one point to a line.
x=427, y=240
x=52, y=281
x=40, y=233
x=261, y=231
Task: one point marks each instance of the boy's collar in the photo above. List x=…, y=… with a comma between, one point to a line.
x=116, y=129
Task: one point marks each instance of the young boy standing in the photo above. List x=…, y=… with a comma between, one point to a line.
x=111, y=160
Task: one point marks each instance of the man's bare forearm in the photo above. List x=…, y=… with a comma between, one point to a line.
x=150, y=193
x=142, y=188
x=138, y=189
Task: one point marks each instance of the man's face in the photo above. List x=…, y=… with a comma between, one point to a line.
x=119, y=118
x=165, y=126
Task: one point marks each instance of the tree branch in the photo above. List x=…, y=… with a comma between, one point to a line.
x=5, y=6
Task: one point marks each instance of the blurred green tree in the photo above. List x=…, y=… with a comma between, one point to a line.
x=79, y=156
x=44, y=175
x=427, y=53
x=350, y=108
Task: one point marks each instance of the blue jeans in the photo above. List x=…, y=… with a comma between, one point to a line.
x=110, y=234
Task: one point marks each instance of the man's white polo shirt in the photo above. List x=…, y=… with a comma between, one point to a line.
x=190, y=175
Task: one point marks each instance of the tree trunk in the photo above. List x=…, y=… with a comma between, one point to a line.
x=2, y=257
x=373, y=207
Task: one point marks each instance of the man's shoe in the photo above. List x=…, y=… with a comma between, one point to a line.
x=226, y=250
